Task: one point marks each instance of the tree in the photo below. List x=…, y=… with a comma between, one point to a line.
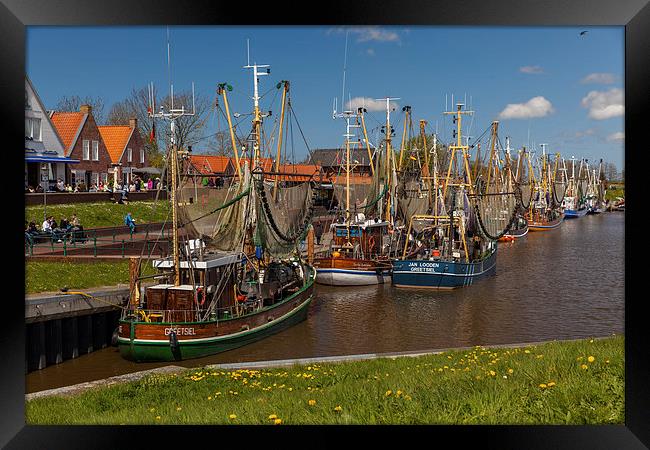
x=189, y=129
x=72, y=104
x=136, y=106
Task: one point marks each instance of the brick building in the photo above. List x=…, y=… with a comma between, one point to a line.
x=83, y=142
x=126, y=149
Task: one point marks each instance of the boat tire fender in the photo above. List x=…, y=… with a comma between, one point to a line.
x=173, y=340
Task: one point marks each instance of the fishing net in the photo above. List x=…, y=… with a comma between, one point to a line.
x=214, y=214
x=495, y=211
x=359, y=194
x=412, y=199
x=284, y=216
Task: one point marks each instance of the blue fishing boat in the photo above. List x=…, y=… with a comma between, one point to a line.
x=443, y=274
x=456, y=244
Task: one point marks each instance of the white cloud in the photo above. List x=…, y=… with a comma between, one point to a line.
x=604, y=104
x=587, y=132
x=535, y=107
x=369, y=103
x=599, y=78
x=531, y=69
x=618, y=136
x=369, y=33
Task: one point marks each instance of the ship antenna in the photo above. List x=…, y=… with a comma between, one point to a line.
x=345, y=63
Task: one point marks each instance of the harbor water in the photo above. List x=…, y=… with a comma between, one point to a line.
x=564, y=283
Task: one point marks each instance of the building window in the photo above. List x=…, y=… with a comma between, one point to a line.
x=129, y=154
x=86, y=150
x=105, y=178
x=33, y=128
x=142, y=155
x=95, y=150
x=95, y=178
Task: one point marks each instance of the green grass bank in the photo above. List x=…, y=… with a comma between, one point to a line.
x=94, y=215
x=45, y=276
x=571, y=382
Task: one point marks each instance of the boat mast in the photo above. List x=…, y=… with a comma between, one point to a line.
x=389, y=152
x=257, y=115
x=172, y=115
x=285, y=85
x=221, y=90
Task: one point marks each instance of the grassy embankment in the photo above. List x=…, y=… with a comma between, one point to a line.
x=612, y=194
x=579, y=382
x=45, y=276
x=51, y=276
x=94, y=215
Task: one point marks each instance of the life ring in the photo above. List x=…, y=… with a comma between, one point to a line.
x=200, y=293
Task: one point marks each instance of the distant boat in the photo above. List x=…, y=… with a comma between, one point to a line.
x=544, y=211
x=574, y=202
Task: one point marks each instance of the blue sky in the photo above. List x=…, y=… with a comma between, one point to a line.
x=544, y=84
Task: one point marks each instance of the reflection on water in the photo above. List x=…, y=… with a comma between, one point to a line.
x=560, y=284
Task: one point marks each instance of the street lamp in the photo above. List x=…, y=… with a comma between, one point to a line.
x=45, y=177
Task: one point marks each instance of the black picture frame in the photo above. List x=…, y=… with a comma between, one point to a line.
x=634, y=15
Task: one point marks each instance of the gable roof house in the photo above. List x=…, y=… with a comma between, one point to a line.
x=211, y=165
x=83, y=142
x=45, y=157
x=125, y=147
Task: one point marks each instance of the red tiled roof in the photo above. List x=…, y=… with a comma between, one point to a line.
x=308, y=170
x=209, y=164
x=354, y=179
x=67, y=126
x=115, y=138
x=267, y=163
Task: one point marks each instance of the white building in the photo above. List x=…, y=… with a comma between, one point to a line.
x=45, y=158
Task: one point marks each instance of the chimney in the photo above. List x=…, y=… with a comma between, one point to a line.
x=86, y=109
x=133, y=122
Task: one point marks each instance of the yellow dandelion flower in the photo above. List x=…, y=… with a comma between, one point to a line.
x=277, y=421
x=526, y=351
x=492, y=373
x=398, y=393
x=178, y=408
x=210, y=398
x=311, y=402
x=232, y=416
x=591, y=359
x=607, y=361
x=407, y=397
x=543, y=386
x=388, y=392
x=157, y=417
x=551, y=383
x=338, y=408
x=273, y=416
x=290, y=389
x=583, y=366
x=510, y=370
